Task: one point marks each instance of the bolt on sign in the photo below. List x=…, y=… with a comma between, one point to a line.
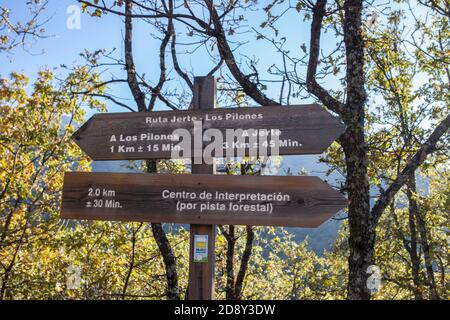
x=289, y=130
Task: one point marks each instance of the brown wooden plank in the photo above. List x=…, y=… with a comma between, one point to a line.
x=305, y=129
x=307, y=202
x=201, y=275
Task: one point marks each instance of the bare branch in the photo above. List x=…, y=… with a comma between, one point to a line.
x=162, y=60
x=176, y=65
x=138, y=95
x=227, y=55
x=244, y=263
x=313, y=87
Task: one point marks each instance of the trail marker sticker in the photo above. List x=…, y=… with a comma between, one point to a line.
x=200, y=248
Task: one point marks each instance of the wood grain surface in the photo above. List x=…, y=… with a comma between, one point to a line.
x=305, y=129
x=307, y=202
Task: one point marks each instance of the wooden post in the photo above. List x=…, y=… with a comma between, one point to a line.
x=201, y=274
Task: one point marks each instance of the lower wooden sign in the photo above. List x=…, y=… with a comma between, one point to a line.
x=200, y=199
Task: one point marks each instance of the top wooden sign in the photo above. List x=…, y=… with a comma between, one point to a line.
x=302, y=129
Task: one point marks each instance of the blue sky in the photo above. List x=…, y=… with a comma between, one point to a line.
x=64, y=45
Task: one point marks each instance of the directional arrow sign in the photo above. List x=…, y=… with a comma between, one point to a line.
x=200, y=199
x=305, y=129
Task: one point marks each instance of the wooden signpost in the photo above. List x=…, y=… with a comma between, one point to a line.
x=202, y=199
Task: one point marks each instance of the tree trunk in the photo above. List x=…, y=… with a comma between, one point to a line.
x=421, y=224
x=234, y=286
x=412, y=248
x=231, y=243
x=362, y=233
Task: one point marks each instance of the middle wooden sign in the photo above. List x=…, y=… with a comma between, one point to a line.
x=302, y=129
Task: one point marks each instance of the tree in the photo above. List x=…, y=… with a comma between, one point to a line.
x=215, y=31
x=405, y=273
x=393, y=76
x=36, y=150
